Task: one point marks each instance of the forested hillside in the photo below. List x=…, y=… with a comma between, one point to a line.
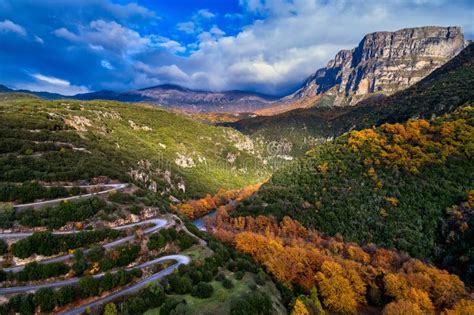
x=389, y=185
x=445, y=89
x=326, y=274
x=165, y=152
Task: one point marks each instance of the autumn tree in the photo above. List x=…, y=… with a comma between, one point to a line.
x=335, y=289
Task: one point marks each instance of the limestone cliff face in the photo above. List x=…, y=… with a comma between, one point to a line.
x=383, y=62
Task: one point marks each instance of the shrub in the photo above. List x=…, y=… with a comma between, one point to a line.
x=47, y=244
x=220, y=277
x=3, y=247
x=252, y=286
x=96, y=253
x=120, y=256
x=260, y=278
x=196, y=276
x=36, y=271
x=23, y=304
x=251, y=303
x=80, y=266
x=203, y=290
x=120, y=197
x=45, y=299
x=227, y=283
x=66, y=294
x=181, y=238
x=207, y=276
x=169, y=306
x=238, y=275
x=88, y=286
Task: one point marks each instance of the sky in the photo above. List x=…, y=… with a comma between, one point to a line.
x=266, y=46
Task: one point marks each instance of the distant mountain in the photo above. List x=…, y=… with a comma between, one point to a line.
x=445, y=89
x=202, y=101
x=382, y=63
x=98, y=95
x=45, y=95
x=4, y=89
x=175, y=96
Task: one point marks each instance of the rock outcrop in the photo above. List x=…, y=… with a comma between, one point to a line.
x=383, y=62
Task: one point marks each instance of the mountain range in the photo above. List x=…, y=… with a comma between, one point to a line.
x=175, y=96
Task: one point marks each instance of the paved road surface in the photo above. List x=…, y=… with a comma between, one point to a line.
x=180, y=259
x=40, y=204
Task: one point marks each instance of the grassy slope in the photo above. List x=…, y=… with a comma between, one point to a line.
x=442, y=91
x=219, y=302
x=334, y=189
x=37, y=143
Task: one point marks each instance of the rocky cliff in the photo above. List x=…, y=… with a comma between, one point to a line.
x=383, y=62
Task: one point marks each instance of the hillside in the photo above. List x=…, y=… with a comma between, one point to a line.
x=324, y=275
x=157, y=149
x=388, y=185
x=443, y=90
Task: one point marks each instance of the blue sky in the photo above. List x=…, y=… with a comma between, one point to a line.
x=268, y=46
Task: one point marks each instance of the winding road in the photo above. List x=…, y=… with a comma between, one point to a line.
x=180, y=259
x=157, y=224
x=40, y=204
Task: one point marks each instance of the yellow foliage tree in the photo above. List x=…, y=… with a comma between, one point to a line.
x=335, y=290
x=462, y=307
x=300, y=308
x=402, y=308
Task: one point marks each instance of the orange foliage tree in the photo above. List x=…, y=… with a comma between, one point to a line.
x=223, y=198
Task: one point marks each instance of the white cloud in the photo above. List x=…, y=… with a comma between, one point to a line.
x=187, y=27
x=111, y=36
x=128, y=10
x=205, y=13
x=199, y=18
x=106, y=65
x=290, y=40
x=66, y=34
x=51, y=84
x=39, y=39
x=8, y=26
x=51, y=80
x=169, y=44
x=171, y=73
x=215, y=30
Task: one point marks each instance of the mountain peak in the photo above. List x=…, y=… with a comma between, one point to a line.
x=384, y=63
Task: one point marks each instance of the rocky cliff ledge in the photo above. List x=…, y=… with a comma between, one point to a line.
x=383, y=62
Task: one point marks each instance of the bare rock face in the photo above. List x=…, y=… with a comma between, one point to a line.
x=384, y=62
